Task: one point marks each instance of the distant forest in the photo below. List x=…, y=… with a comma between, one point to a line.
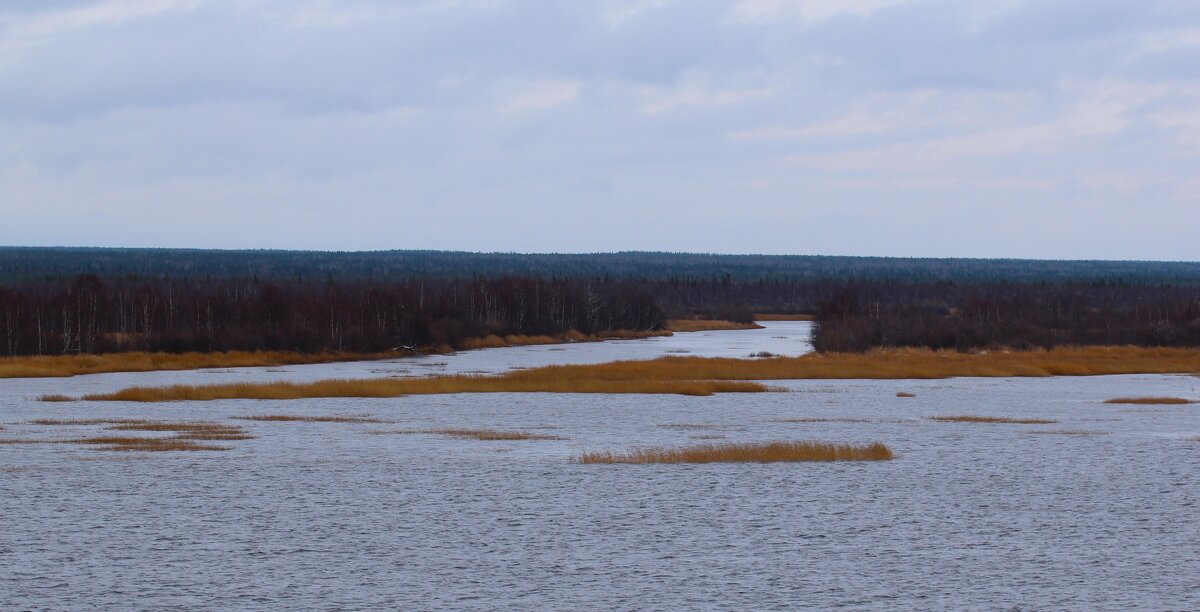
x=55, y=301
x=26, y=264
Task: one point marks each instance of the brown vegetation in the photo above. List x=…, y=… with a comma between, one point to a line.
x=478, y=434
x=1149, y=400
x=904, y=394
x=822, y=420
x=119, y=443
x=71, y=365
x=746, y=453
x=70, y=422
x=1071, y=432
x=308, y=419
x=705, y=376
x=695, y=325
x=769, y=316
x=988, y=419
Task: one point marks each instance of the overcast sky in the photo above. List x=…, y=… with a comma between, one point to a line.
x=997, y=128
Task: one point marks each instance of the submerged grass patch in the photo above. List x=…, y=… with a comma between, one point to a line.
x=478, y=434
x=990, y=419
x=186, y=435
x=1149, y=400
x=822, y=420
x=74, y=422
x=746, y=453
x=308, y=419
x=1070, y=432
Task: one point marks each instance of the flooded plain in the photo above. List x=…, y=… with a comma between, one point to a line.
x=1093, y=511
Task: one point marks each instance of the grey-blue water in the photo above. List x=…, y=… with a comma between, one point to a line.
x=333, y=516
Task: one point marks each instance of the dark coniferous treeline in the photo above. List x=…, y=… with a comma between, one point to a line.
x=93, y=315
x=860, y=316
x=30, y=264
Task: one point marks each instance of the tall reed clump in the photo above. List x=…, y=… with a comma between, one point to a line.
x=768, y=452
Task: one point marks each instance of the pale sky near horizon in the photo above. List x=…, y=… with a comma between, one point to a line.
x=997, y=128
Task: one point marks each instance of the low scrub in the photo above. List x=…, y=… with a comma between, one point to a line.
x=1149, y=400
x=746, y=453
x=990, y=419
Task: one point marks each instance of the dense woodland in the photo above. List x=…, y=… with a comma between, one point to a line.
x=860, y=316
x=28, y=264
x=93, y=315
x=181, y=300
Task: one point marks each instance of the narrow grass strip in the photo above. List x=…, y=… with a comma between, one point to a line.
x=1149, y=400
x=768, y=452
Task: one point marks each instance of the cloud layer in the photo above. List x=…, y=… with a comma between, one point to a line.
x=1057, y=128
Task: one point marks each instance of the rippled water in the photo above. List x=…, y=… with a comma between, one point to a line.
x=328, y=515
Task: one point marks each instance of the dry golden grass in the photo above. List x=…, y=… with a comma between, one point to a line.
x=905, y=394
x=695, y=325
x=1149, y=400
x=988, y=419
x=705, y=376
x=71, y=365
x=478, y=434
x=495, y=341
x=308, y=419
x=525, y=381
x=768, y=316
x=56, y=397
x=746, y=453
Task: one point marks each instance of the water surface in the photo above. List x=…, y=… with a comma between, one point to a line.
x=328, y=515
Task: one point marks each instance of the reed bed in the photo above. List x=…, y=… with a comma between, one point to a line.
x=775, y=316
x=477, y=434
x=695, y=325
x=905, y=394
x=705, y=376
x=990, y=419
x=516, y=382
x=70, y=365
x=1150, y=400
x=308, y=419
x=746, y=453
